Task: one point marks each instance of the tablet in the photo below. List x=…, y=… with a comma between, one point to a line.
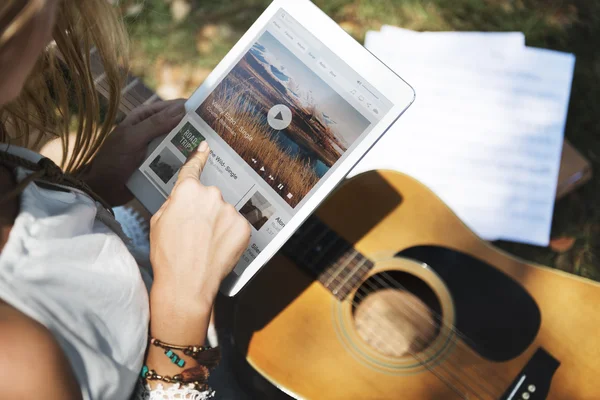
x=288, y=112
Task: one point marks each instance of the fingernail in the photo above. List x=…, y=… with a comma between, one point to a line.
x=176, y=110
x=203, y=146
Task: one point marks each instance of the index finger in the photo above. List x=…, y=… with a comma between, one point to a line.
x=195, y=164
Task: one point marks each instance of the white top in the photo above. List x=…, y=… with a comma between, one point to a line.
x=66, y=265
x=65, y=268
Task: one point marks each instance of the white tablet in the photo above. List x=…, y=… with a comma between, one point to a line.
x=288, y=112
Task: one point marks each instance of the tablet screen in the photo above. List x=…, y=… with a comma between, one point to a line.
x=279, y=121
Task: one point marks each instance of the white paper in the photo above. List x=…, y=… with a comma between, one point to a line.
x=458, y=40
x=485, y=132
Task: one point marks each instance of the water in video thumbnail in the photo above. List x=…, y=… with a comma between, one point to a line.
x=291, y=155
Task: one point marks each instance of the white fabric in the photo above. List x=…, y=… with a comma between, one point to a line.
x=67, y=266
x=173, y=392
x=67, y=270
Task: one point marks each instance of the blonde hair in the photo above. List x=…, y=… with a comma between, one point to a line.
x=59, y=96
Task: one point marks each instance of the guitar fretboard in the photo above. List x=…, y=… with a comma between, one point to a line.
x=334, y=261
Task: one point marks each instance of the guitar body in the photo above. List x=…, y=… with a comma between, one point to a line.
x=439, y=315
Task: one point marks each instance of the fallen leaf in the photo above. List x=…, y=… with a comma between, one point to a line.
x=171, y=81
x=350, y=27
x=209, y=31
x=134, y=10
x=562, y=244
x=204, y=46
x=180, y=9
x=198, y=76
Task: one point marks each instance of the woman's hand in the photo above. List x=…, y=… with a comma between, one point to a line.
x=125, y=148
x=196, y=238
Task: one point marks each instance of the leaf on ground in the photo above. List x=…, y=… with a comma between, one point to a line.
x=350, y=27
x=171, y=81
x=562, y=244
x=134, y=10
x=180, y=9
x=206, y=38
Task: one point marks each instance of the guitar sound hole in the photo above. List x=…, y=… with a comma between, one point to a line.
x=396, y=313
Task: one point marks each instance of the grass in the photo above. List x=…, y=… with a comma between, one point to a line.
x=297, y=176
x=213, y=26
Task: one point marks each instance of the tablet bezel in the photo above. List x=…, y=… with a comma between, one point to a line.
x=383, y=79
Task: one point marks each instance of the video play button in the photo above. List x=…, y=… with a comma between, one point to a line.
x=279, y=117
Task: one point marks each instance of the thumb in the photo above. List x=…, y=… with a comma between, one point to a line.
x=195, y=164
x=160, y=211
x=160, y=123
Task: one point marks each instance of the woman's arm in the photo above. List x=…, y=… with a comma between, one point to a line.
x=32, y=364
x=174, y=322
x=196, y=238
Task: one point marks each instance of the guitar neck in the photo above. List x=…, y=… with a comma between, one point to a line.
x=325, y=254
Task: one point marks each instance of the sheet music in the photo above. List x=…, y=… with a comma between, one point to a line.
x=486, y=130
x=455, y=41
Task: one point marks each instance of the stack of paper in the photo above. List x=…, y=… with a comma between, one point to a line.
x=486, y=130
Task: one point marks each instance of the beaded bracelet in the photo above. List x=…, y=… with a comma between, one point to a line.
x=175, y=359
x=191, y=351
x=197, y=379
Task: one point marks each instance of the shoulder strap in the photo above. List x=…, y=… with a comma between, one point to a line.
x=45, y=170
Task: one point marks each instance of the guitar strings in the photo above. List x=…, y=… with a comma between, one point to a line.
x=491, y=391
x=423, y=341
x=464, y=338
x=434, y=314
x=448, y=380
x=312, y=223
x=400, y=287
x=440, y=376
x=394, y=282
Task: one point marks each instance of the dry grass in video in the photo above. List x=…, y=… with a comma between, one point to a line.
x=297, y=176
x=294, y=157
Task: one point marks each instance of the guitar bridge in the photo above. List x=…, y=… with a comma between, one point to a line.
x=533, y=382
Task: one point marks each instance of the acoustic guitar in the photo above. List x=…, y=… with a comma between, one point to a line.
x=385, y=294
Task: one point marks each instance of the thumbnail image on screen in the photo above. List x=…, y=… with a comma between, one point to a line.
x=187, y=139
x=283, y=119
x=166, y=165
x=257, y=210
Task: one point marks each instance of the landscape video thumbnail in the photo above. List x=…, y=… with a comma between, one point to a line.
x=257, y=210
x=323, y=125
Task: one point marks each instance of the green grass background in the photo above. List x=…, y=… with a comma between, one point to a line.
x=203, y=37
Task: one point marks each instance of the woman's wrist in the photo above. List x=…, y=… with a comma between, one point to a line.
x=196, y=292
x=179, y=316
x=178, y=319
